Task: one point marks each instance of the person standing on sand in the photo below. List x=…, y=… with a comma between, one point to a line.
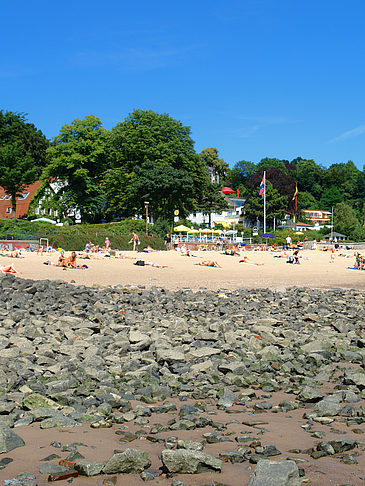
x=107, y=243
x=288, y=241
x=168, y=242
x=134, y=240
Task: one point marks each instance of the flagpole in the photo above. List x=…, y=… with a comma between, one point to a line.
x=296, y=210
x=264, y=202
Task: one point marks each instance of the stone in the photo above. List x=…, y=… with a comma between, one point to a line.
x=9, y=440
x=88, y=468
x=130, y=461
x=190, y=462
x=275, y=473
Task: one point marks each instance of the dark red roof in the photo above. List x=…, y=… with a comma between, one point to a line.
x=22, y=205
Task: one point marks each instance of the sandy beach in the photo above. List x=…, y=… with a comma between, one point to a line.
x=314, y=271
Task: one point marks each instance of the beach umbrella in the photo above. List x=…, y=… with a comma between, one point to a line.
x=193, y=231
x=218, y=232
x=267, y=235
x=299, y=233
x=181, y=228
x=227, y=190
x=207, y=230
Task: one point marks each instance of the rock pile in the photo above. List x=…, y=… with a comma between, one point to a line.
x=77, y=355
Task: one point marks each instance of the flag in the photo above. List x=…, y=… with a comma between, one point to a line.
x=238, y=193
x=296, y=192
x=262, y=187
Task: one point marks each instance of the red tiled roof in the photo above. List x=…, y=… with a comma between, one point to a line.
x=22, y=205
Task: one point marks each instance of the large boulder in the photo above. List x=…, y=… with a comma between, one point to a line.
x=190, y=462
x=9, y=440
x=275, y=473
x=130, y=461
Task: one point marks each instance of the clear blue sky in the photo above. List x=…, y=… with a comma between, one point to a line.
x=253, y=78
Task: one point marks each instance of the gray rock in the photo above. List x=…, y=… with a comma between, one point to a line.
x=130, y=461
x=87, y=468
x=190, y=462
x=9, y=440
x=275, y=473
x=329, y=406
x=58, y=421
x=49, y=468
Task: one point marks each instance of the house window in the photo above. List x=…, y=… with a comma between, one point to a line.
x=43, y=211
x=8, y=211
x=55, y=213
x=36, y=210
x=50, y=212
x=7, y=197
x=23, y=196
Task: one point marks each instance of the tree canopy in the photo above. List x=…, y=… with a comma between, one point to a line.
x=77, y=158
x=22, y=153
x=153, y=154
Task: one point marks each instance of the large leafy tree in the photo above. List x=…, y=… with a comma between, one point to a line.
x=240, y=174
x=345, y=219
x=153, y=156
x=77, y=159
x=210, y=158
x=310, y=177
x=22, y=153
x=276, y=204
x=330, y=198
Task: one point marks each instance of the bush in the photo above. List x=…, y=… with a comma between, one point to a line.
x=75, y=237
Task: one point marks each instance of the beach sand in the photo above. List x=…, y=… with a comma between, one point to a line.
x=314, y=271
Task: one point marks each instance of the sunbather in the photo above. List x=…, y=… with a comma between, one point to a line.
x=249, y=262
x=209, y=263
x=8, y=269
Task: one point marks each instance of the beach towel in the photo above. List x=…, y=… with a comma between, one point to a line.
x=353, y=268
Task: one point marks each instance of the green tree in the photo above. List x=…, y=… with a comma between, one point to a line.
x=210, y=158
x=153, y=156
x=276, y=204
x=345, y=220
x=330, y=198
x=240, y=174
x=307, y=201
x=310, y=177
x=279, y=164
x=77, y=158
x=212, y=201
x=22, y=154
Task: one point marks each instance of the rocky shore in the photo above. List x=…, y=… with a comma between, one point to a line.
x=210, y=387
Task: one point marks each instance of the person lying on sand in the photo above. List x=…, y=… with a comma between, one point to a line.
x=231, y=252
x=16, y=254
x=149, y=249
x=154, y=264
x=249, y=262
x=8, y=269
x=208, y=263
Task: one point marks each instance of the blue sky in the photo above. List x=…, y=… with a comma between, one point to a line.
x=253, y=78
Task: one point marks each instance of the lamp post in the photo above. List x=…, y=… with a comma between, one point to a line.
x=146, y=203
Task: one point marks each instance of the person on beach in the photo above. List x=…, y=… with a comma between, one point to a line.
x=107, y=244
x=71, y=261
x=8, y=269
x=16, y=254
x=296, y=257
x=249, y=262
x=135, y=240
x=62, y=260
x=208, y=263
x=288, y=241
x=168, y=242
